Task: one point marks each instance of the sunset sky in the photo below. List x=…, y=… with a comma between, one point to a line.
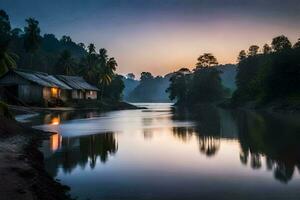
x=161, y=36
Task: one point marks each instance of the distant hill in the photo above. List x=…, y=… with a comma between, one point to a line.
x=152, y=90
x=228, y=76
x=130, y=85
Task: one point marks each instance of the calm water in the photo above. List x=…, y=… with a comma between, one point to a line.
x=161, y=154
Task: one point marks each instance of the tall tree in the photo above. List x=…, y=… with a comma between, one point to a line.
x=130, y=76
x=267, y=49
x=32, y=37
x=66, y=39
x=206, y=60
x=280, y=43
x=91, y=48
x=7, y=59
x=242, y=56
x=297, y=44
x=253, y=50
x=65, y=63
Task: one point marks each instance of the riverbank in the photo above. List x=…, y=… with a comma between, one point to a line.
x=290, y=106
x=22, y=170
x=79, y=106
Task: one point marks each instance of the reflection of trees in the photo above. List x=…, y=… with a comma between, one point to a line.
x=263, y=137
x=271, y=137
x=183, y=133
x=82, y=150
x=209, y=145
x=207, y=129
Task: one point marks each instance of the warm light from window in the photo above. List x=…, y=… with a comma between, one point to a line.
x=55, y=141
x=54, y=92
x=55, y=121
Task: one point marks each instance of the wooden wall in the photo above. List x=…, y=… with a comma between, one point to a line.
x=91, y=94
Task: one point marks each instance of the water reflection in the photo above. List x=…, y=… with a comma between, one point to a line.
x=80, y=151
x=271, y=137
x=200, y=148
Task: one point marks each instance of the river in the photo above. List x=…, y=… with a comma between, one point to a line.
x=157, y=153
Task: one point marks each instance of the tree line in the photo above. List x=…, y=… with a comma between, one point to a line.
x=266, y=75
x=269, y=75
x=201, y=85
x=27, y=49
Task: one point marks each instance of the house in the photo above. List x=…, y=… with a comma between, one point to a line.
x=80, y=88
x=31, y=87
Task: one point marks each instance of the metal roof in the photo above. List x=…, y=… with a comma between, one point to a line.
x=76, y=82
x=42, y=79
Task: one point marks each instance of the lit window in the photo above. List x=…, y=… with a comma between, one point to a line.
x=54, y=92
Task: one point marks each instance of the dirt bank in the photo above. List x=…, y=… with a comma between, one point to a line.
x=22, y=173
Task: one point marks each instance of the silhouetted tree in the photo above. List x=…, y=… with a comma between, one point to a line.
x=145, y=76
x=32, y=38
x=280, y=43
x=7, y=58
x=242, y=56
x=253, y=50
x=65, y=63
x=206, y=60
x=66, y=39
x=130, y=76
x=297, y=44
x=267, y=49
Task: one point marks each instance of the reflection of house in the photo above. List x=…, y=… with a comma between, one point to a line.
x=37, y=87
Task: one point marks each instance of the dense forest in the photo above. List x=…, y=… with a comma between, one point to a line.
x=201, y=85
x=269, y=76
x=27, y=49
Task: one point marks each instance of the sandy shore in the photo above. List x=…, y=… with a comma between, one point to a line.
x=22, y=172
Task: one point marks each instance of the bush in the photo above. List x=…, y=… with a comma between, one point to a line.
x=4, y=112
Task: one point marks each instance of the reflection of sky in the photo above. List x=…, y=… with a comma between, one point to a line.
x=163, y=35
x=152, y=159
x=121, y=121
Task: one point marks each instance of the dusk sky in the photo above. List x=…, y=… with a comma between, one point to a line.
x=161, y=36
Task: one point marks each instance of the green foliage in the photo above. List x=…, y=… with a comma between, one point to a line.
x=4, y=112
x=281, y=43
x=266, y=77
x=115, y=89
x=51, y=55
x=242, y=56
x=65, y=64
x=32, y=38
x=206, y=60
x=7, y=58
x=253, y=50
x=202, y=86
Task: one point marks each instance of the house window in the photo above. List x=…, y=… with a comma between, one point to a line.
x=54, y=92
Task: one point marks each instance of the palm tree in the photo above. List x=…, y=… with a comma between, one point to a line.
x=106, y=73
x=112, y=64
x=7, y=60
x=32, y=37
x=66, y=63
